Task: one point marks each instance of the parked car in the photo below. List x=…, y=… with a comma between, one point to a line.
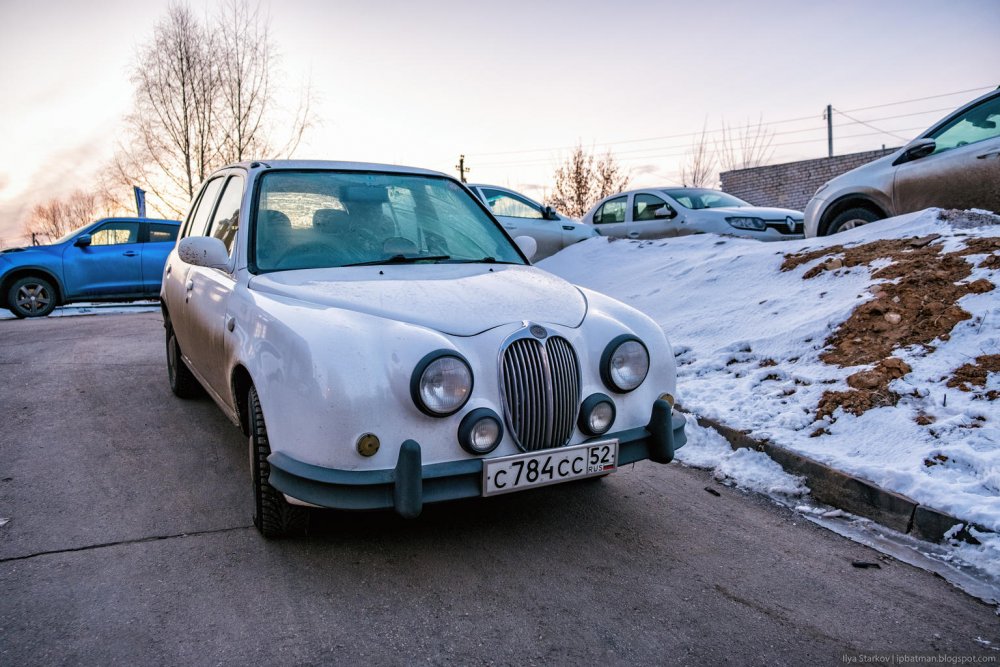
x=383, y=344
x=954, y=164
x=522, y=216
x=114, y=259
x=652, y=213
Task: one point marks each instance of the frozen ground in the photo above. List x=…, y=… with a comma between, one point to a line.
x=748, y=339
x=96, y=309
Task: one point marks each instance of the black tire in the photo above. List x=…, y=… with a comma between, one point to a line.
x=31, y=296
x=850, y=219
x=182, y=381
x=274, y=516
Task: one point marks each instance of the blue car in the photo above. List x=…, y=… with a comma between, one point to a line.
x=114, y=259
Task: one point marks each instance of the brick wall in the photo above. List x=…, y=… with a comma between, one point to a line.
x=792, y=184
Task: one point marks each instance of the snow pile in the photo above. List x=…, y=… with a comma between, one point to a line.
x=760, y=348
x=744, y=468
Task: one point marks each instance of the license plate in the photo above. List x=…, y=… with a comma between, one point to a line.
x=551, y=466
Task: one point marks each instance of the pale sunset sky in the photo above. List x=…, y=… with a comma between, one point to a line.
x=512, y=85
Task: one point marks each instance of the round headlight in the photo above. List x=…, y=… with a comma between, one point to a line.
x=480, y=431
x=441, y=383
x=624, y=364
x=597, y=414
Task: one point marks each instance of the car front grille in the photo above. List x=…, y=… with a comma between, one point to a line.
x=541, y=390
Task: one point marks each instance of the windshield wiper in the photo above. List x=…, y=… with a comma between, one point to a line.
x=403, y=259
x=484, y=260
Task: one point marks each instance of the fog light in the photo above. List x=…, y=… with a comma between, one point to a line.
x=597, y=414
x=368, y=444
x=668, y=398
x=480, y=431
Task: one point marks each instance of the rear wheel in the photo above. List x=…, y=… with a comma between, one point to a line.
x=852, y=218
x=182, y=381
x=274, y=516
x=31, y=297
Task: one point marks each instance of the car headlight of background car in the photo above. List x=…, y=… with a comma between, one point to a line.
x=624, y=364
x=741, y=222
x=441, y=383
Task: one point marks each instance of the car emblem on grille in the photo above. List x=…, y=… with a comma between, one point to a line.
x=538, y=332
x=791, y=223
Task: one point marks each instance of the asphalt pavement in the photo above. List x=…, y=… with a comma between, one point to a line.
x=129, y=542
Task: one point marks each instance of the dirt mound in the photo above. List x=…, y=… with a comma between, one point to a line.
x=918, y=306
x=973, y=375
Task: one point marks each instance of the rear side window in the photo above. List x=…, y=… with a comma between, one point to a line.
x=227, y=215
x=612, y=210
x=199, y=216
x=162, y=233
x=115, y=233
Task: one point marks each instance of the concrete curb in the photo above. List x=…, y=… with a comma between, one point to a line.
x=853, y=494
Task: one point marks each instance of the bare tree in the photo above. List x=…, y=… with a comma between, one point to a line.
x=204, y=98
x=580, y=181
x=698, y=170
x=742, y=148
x=56, y=217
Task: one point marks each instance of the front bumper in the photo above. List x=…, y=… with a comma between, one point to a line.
x=410, y=484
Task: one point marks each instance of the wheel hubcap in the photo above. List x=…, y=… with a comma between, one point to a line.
x=32, y=298
x=852, y=224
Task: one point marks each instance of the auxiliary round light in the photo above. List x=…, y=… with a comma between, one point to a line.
x=668, y=398
x=441, y=383
x=597, y=414
x=624, y=364
x=480, y=431
x=368, y=444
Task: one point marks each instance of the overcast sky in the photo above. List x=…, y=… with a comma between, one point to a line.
x=512, y=85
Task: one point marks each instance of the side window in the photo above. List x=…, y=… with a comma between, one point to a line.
x=226, y=221
x=509, y=204
x=199, y=216
x=644, y=207
x=115, y=233
x=162, y=233
x=979, y=123
x=612, y=210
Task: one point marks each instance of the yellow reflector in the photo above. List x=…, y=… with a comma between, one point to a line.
x=368, y=444
x=668, y=398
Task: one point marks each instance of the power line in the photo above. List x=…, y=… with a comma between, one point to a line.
x=869, y=125
x=718, y=130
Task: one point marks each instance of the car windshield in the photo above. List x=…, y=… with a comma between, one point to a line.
x=320, y=219
x=700, y=198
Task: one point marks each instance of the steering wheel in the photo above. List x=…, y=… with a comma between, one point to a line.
x=305, y=252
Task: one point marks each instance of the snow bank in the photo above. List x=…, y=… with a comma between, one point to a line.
x=748, y=339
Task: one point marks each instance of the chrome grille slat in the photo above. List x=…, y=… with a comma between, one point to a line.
x=541, y=390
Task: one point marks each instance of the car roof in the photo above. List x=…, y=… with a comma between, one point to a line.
x=120, y=218
x=270, y=165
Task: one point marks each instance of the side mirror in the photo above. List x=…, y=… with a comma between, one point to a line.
x=549, y=213
x=82, y=241
x=664, y=212
x=527, y=245
x=206, y=251
x=916, y=150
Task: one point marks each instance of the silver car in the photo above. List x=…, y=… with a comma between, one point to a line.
x=522, y=216
x=954, y=164
x=653, y=213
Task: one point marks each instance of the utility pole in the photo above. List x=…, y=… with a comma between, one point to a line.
x=829, y=130
x=462, y=169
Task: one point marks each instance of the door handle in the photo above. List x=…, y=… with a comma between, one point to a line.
x=986, y=155
x=510, y=226
x=189, y=285
x=130, y=253
x=633, y=235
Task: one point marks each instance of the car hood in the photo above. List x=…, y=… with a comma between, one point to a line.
x=762, y=212
x=459, y=300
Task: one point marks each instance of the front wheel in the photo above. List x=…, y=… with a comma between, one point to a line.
x=851, y=219
x=31, y=297
x=274, y=516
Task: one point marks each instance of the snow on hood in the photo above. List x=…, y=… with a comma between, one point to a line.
x=460, y=300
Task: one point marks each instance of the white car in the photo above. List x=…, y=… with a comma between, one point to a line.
x=653, y=213
x=383, y=343
x=522, y=216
